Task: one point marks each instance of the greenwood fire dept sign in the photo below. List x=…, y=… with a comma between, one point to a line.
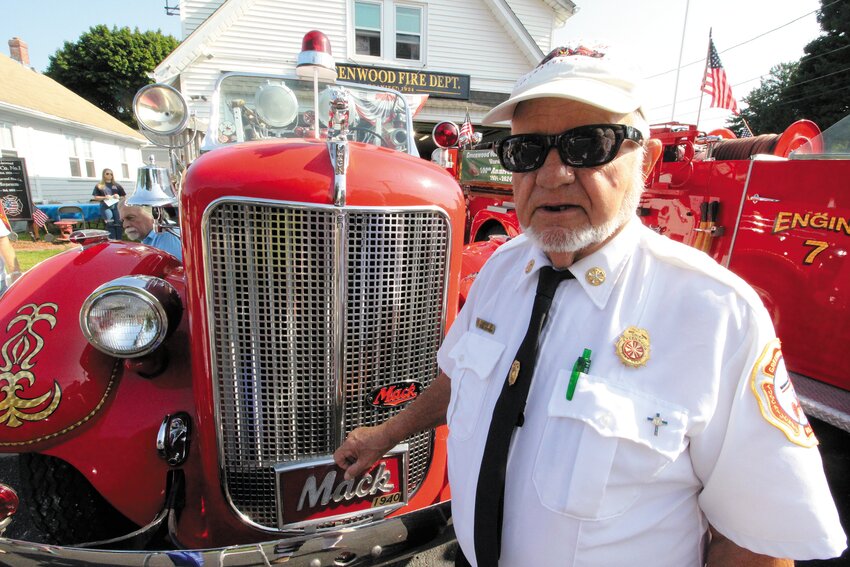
x=439, y=85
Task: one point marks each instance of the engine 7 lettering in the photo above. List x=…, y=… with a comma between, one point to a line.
x=787, y=220
x=320, y=494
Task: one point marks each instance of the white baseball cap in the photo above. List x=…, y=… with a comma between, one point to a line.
x=580, y=73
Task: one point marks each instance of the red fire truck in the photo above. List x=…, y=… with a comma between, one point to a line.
x=194, y=407
x=772, y=208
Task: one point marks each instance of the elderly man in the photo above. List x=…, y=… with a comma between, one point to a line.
x=632, y=422
x=139, y=225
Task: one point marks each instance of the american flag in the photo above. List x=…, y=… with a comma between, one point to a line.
x=38, y=217
x=465, y=137
x=715, y=83
x=746, y=132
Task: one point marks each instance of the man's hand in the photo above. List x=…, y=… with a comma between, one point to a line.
x=362, y=448
x=365, y=445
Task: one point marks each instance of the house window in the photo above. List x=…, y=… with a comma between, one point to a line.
x=7, y=141
x=389, y=29
x=79, y=156
x=125, y=165
x=408, y=32
x=367, y=28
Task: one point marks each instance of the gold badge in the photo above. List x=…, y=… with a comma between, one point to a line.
x=633, y=347
x=513, y=373
x=595, y=276
x=485, y=326
x=529, y=266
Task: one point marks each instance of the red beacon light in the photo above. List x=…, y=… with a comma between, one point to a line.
x=446, y=134
x=315, y=59
x=8, y=505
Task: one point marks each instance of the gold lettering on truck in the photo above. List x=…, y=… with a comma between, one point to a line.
x=787, y=220
x=18, y=353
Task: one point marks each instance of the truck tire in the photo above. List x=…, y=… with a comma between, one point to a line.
x=64, y=505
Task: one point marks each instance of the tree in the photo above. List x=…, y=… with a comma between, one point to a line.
x=107, y=67
x=817, y=87
x=765, y=111
x=821, y=86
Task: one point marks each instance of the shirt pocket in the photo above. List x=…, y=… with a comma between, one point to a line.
x=475, y=356
x=600, y=449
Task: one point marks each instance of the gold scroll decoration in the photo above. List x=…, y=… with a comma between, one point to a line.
x=18, y=353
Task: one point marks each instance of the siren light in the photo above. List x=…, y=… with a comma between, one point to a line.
x=316, y=58
x=9, y=501
x=446, y=134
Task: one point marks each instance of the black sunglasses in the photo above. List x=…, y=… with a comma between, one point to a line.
x=586, y=146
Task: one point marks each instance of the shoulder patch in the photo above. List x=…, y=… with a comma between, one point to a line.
x=777, y=399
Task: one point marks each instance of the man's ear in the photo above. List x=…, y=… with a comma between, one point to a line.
x=652, y=151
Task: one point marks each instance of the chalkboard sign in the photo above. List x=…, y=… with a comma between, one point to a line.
x=15, y=189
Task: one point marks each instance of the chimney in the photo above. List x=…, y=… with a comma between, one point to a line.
x=19, y=51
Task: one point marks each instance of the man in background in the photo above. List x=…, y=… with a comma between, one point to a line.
x=138, y=224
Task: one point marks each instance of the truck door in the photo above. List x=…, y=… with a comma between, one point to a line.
x=791, y=245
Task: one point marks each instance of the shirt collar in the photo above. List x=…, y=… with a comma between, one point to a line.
x=597, y=273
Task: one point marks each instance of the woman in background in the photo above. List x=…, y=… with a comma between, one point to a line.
x=108, y=192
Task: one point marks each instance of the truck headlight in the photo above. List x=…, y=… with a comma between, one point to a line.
x=130, y=316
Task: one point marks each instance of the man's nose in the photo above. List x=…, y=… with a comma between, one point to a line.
x=554, y=172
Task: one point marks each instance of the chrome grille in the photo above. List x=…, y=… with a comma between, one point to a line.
x=290, y=288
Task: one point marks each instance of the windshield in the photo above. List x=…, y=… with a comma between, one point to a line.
x=832, y=143
x=260, y=107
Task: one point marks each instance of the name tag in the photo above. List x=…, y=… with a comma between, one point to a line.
x=485, y=326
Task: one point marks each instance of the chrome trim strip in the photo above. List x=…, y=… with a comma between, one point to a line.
x=340, y=314
x=740, y=212
x=381, y=543
x=339, y=160
x=339, y=369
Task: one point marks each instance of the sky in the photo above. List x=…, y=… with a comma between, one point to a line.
x=751, y=36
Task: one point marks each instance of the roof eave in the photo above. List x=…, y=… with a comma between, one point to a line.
x=512, y=24
x=564, y=10
x=65, y=122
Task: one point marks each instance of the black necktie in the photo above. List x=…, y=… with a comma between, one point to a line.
x=508, y=414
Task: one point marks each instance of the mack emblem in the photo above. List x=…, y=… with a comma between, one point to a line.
x=368, y=485
x=395, y=394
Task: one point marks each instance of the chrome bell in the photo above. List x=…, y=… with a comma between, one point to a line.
x=153, y=187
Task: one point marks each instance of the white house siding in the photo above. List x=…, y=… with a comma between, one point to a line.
x=43, y=145
x=462, y=37
x=538, y=19
x=194, y=12
x=265, y=39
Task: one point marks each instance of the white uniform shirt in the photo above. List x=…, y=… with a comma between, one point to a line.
x=588, y=481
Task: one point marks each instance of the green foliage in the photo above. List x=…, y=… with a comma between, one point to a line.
x=107, y=67
x=817, y=87
x=765, y=112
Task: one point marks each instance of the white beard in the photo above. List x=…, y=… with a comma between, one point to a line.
x=560, y=240
x=132, y=234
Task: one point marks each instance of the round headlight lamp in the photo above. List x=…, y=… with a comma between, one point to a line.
x=130, y=316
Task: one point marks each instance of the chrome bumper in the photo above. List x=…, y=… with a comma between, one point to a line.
x=380, y=543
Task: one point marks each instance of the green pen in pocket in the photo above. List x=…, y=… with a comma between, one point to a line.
x=582, y=364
